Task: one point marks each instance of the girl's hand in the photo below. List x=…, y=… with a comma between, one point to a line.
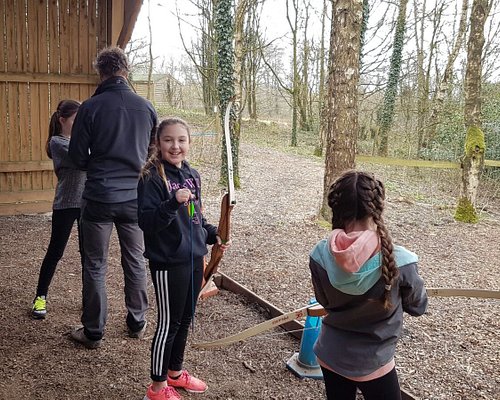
x=183, y=196
x=224, y=246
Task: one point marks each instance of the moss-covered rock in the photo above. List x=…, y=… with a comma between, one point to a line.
x=466, y=212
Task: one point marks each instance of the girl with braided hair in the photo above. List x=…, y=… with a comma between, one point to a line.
x=365, y=283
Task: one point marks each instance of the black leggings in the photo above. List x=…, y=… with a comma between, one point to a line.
x=62, y=224
x=176, y=295
x=339, y=387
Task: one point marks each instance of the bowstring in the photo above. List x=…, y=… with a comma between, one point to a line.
x=265, y=336
x=190, y=206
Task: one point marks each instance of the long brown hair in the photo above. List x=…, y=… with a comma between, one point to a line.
x=356, y=195
x=154, y=160
x=65, y=109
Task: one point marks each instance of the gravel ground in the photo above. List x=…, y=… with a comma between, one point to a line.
x=452, y=352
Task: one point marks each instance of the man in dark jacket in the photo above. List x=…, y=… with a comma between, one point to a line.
x=110, y=139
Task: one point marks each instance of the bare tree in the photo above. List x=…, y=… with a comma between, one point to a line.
x=443, y=86
x=136, y=55
x=304, y=93
x=321, y=103
x=294, y=91
x=386, y=114
x=203, y=53
x=150, y=49
x=473, y=159
x=424, y=71
x=252, y=58
x=343, y=81
x=239, y=55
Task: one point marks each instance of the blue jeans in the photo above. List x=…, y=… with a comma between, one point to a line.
x=97, y=224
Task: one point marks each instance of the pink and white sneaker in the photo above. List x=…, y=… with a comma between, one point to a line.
x=167, y=393
x=187, y=382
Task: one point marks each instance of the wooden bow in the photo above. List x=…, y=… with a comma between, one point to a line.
x=316, y=310
x=227, y=205
x=256, y=329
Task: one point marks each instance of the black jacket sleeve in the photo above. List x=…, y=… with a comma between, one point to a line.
x=413, y=293
x=79, y=145
x=156, y=210
x=318, y=275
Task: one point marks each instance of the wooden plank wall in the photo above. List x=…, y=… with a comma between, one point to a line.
x=48, y=47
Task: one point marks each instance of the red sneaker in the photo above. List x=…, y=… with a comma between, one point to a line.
x=187, y=382
x=167, y=393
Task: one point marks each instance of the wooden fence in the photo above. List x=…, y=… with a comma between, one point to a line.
x=48, y=48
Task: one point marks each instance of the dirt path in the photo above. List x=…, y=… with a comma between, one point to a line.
x=451, y=353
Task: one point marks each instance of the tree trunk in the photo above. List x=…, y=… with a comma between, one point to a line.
x=343, y=80
x=224, y=34
x=473, y=160
x=387, y=112
x=208, y=68
x=303, y=96
x=421, y=94
x=252, y=58
x=442, y=89
x=239, y=55
x=295, y=73
x=204, y=54
x=321, y=104
x=150, y=49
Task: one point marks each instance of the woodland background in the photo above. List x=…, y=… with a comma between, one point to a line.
x=429, y=89
x=388, y=86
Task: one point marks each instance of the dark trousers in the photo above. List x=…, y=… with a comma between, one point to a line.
x=339, y=387
x=176, y=295
x=62, y=223
x=97, y=224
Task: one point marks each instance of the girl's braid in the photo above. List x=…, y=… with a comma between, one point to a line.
x=356, y=195
x=389, y=269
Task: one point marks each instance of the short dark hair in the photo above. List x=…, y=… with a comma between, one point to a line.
x=110, y=61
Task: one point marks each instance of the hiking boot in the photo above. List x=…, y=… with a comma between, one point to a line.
x=78, y=335
x=138, y=334
x=167, y=393
x=39, y=309
x=187, y=382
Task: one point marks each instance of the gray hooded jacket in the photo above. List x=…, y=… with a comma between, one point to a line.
x=358, y=336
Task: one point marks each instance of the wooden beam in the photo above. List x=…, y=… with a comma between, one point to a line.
x=26, y=196
x=25, y=166
x=26, y=208
x=223, y=281
x=407, y=163
x=492, y=163
x=130, y=13
x=34, y=77
x=116, y=10
x=403, y=162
